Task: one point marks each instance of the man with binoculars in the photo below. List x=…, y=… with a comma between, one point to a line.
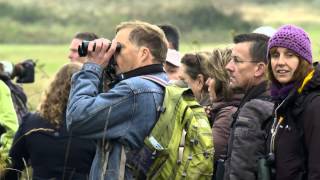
x=122, y=117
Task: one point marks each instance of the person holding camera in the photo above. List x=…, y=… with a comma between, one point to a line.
x=122, y=117
x=24, y=73
x=76, y=41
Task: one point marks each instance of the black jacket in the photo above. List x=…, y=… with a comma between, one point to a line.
x=247, y=139
x=53, y=154
x=297, y=144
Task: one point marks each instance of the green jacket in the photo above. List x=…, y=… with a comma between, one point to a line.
x=8, y=121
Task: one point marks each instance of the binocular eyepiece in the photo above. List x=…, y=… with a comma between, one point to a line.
x=83, y=48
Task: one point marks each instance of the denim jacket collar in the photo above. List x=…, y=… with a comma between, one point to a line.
x=149, y=69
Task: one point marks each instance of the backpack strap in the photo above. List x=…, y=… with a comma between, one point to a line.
x=160, y=82
x=155, y=79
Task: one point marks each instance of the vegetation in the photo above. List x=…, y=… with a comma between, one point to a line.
x=33, y=21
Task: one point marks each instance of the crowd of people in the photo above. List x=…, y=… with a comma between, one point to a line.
x=260, y=98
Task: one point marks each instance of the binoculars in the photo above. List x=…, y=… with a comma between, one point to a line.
x=83, y=48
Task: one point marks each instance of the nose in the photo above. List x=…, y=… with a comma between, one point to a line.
x=229, y=66
x=281, y=60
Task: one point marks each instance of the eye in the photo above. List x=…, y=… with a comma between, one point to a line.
x=274, y=55
x=235, y=59
x=290, y=54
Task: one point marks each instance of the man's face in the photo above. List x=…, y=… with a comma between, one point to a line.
x=73, y=54
x=127, y=59
x=241, y=68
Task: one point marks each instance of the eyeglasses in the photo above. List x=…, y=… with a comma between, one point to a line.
x=236, y=60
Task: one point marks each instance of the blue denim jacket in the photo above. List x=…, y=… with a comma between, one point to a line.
x=122, y=116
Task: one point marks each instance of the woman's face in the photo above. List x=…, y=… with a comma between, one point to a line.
x=211, y=83
x=284, y=63
x=194, y=84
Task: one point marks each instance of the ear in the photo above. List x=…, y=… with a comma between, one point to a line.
x=144, y=53
x=260, y=69
x=200, y=80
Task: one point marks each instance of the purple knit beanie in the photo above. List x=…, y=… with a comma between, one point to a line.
x=293, y=38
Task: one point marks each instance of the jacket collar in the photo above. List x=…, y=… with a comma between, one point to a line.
x=149, y=69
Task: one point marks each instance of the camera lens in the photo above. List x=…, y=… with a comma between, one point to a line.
x=83, y=48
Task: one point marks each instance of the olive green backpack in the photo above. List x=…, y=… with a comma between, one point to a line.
x=181, y=140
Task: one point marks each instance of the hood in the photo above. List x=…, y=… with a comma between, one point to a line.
x=221, y=103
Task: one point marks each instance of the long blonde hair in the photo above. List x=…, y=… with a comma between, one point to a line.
x=216, y=68
x=54, y=102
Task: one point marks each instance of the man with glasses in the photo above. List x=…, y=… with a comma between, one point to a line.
x=122, y=117
x=247, y=70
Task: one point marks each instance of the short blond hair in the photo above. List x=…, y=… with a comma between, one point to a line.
x=148, y=35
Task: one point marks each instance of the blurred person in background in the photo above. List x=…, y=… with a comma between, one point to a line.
x=8, y=125
x=172, y=35
x=224, y=103
x=76, y=41
x=23, y=72
x=194, y=72
x=295, y=88
x=172, y=64
x=43, y=141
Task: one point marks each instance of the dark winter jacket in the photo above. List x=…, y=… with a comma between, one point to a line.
x=53, y=154
x=297, y=144
x=247, y=139
x=220, y=116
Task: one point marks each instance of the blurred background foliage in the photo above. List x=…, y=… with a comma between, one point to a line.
x=42, y=29
x=55, y=21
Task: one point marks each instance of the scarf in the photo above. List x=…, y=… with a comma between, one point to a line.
x=280, y=92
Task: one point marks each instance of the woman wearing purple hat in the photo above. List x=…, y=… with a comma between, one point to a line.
x=295, y=87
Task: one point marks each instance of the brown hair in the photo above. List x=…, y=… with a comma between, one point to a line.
x=217, y=62
x=197, y=64
x=145, y=34
x=88, y=36
x=301, y=72
x=55, y=98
